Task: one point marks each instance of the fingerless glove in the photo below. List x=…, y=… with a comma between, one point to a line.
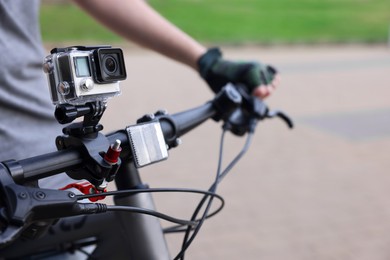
x=217, y=72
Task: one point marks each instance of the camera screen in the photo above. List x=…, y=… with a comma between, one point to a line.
x=82, y=67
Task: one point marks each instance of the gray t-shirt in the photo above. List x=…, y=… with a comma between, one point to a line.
x=27, y=125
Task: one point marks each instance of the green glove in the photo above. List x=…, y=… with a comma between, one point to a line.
x=218, y=72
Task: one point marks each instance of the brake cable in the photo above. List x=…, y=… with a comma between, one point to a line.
x=187, y=240
x=181, y=222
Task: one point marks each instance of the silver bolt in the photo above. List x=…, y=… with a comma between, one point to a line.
x=178, y=141
x=116, y=145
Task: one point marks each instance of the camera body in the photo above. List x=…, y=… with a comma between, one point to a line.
x=80, y=74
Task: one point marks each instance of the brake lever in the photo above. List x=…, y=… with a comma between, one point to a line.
x=252, y=110
x=281, y=115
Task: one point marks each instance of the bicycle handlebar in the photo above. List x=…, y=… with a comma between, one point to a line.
x=45, y=165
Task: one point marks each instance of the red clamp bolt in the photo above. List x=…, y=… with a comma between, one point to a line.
x=86, y=188
x=113, y=153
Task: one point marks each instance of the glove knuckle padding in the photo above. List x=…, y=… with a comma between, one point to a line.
x=251, y=76
x=218, y=72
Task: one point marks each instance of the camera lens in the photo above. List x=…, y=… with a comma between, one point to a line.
x=110, y=64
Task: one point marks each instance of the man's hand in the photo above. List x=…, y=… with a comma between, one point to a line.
x=259, y=79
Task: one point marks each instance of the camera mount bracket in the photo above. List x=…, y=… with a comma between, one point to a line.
x=92, y=112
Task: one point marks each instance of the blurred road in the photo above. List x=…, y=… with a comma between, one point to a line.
x=319, y=191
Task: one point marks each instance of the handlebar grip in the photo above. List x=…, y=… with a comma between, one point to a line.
x=183, y=122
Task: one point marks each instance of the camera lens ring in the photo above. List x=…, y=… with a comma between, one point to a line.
x=110, y=64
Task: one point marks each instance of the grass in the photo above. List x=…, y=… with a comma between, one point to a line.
x=240, y=21
x=66, y=22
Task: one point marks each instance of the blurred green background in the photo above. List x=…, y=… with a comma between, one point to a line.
x=243, y=21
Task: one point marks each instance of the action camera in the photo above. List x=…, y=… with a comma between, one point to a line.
x=81, y=74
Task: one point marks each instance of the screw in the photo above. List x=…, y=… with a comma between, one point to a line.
x=71, y=195
x=146, y=118
x=60, y=143
x=178, y=142
x=161, y=112
x=40, y=195
x=22, y=195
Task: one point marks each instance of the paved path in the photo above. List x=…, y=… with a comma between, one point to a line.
x=321, y=191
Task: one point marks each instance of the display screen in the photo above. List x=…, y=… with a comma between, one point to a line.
x=82, y=67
